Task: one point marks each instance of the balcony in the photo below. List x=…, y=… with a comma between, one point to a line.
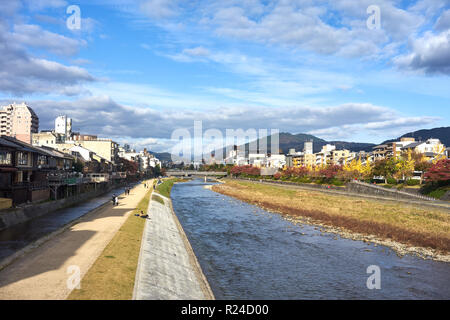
x=34, y=185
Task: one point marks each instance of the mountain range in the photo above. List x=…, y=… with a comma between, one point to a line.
x=442, y=133
x=296, y=141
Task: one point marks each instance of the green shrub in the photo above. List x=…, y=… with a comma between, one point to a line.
x=337, y=182
x=391, y=181
x=438, y=193
x=412, y=182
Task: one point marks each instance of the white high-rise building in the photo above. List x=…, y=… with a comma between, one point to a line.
x=63, y=125
x=308, y=147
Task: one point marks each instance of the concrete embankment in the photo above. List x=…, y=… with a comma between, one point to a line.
x=11, y=217
x=167, y=267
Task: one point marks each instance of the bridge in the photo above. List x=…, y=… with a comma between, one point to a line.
x=195, y=173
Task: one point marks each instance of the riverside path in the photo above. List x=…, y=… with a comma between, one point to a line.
x=44, y=272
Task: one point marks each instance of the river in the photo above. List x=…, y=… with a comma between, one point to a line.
x=248, y=253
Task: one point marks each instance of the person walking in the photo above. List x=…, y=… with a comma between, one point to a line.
x=113, y=199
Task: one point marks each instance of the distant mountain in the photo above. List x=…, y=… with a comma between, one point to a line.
x=163, y=156
x=297, y=141
x=442, y=134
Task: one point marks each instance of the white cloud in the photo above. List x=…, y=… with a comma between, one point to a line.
x=443, y=22
x=197, y=52
x=34, y=36
x=430, y=54
x=37, y=5
x=158, y=9
x=21, y=73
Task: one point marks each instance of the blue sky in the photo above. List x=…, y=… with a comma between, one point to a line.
x=137, y=70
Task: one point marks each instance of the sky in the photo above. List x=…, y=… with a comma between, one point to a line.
x=135, y=71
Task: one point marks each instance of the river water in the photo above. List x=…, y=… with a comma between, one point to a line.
x=248, y=253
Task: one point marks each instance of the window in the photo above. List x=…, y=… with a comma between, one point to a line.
x=22, y=158
x=42, y=160
x=5, y=157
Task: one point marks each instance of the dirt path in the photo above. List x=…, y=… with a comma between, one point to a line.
x=44, y=274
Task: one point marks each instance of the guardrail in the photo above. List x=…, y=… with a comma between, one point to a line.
x=422, y=197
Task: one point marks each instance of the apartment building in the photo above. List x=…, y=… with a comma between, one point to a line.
x=63, y=126
x=340, y=156
x=304, y=160
x=18, y=121
x=430, y=148
x=47, y=138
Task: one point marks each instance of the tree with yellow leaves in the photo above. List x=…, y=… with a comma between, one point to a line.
x=354, y=169
x=439, y=150
x=404, y=166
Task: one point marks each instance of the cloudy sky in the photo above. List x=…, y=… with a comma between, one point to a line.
x=137, y=70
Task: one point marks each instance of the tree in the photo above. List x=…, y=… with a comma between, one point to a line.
x=78, y=166
x=404, y=166
x=439, y=172
x=385, y=168
x=354, y=169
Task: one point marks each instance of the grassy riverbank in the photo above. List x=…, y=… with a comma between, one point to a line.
x=413, y=226
x=112, y=275
x=166, y=186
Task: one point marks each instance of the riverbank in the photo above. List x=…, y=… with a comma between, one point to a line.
x=406, y=229
x=44, y=272
x=112, y=275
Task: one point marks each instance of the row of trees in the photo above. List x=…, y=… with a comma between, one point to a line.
x=400, y=168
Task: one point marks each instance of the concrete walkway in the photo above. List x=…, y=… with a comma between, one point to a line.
x=167, y=267
x=44, y=272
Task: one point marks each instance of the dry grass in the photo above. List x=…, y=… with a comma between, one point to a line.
x=399, y=222
x=112, y=275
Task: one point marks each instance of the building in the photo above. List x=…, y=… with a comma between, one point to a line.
x=304, y=160
x=276, y=161
x=430, y=148
x=63, y=126
x=76, y=136
x=308, y=147
x=24, y=170
x=341, y=157
x=257, y=159
x=236, y=156
x=18, y=121
x=47, y=138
